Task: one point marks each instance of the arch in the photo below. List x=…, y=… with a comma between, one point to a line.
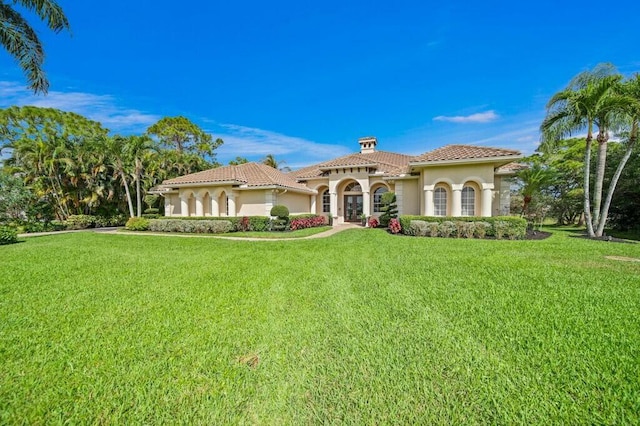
x=223, y=204
x=353, y=186
x=206, y=204
x=323, y=199
x=350, y=199
x=470, y=204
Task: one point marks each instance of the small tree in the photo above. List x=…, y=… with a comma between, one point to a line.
x=389, y=208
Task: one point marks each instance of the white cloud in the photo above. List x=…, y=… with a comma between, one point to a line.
x=480, y=117
x=102, y=108
x=253, y=143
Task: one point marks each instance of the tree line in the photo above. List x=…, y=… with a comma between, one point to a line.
x=586, y=178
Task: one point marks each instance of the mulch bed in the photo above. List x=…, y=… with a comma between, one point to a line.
x=537, y=235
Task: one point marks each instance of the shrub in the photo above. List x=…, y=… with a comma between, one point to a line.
x=259, y=223
x=419, y=228
x=152, y=210
x=151, y=216
x=191, y=226
x=500, y=228
x=394, y=226
x=389, y=208
x=468, y=229
x=117, y=220
x=80, y=221
x=459, y=228
x=307, y=222
x=433, y=228
x=447, y=229
x=245, y=224
x=279, y=224
x=137, y=224
x=280, y=211
x=373, y=222
x=516, y=226
x=481, y=229
x=8, y=235
x=101, y=221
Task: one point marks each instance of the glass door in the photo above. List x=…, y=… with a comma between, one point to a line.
x=352, y=208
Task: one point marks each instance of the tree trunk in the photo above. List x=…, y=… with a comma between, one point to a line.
x=602, y=138
x=587, y=169
x=138, y=192
x=614, y=180
x=126, y=190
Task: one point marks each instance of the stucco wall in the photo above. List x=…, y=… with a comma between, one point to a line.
x=411, y=197
x=251, y=203
x=459, y=174
x=296, y=203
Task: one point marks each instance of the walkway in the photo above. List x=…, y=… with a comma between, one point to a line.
x=327, y=233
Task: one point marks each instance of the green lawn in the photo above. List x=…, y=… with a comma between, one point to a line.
x=361, y=327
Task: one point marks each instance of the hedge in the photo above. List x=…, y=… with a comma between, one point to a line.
x=446, y=226
x=137, y=224
x=213, y=226
x=8, y=235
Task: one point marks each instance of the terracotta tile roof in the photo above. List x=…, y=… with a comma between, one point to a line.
x=389, y=163
x=463, y=152
x=249, y=174
x=510, y=168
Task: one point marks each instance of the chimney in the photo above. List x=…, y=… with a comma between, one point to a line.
x=368, y=144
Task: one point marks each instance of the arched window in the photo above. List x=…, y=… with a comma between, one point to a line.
x=377, y=199
x=440, y=202
x=468, y=201
x=326, y=201
x=353, y=187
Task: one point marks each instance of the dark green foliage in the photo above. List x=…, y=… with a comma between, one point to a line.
x=80, y=221
x=8, y=235
x=191, y=226
x=510, y=226
x=137, y=224
x=282, y=212
x=152, y=210
x=389, y=208
x=280, y=224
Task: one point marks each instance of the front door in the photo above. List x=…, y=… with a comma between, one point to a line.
x=352, y=208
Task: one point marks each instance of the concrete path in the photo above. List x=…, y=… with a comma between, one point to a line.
x=334, y=230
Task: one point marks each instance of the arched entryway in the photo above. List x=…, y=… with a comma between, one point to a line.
x=352, y=202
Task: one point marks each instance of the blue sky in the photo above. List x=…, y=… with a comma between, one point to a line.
x=305, y=80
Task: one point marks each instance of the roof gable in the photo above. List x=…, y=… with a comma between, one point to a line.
x=464, y=152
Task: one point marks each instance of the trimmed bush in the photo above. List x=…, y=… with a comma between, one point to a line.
x=394, y=226
x=191, y=226
x=279, y=225
x=80, y=221
x=137, y=224
x=481, y=229
x=152, y=210
x=151, y=216
x=419, y=228
x=312, y=221
x=468, y=229
x=8, y=235
x=510, y=227
x=447, y=229
x=259, y=223
x=280, y=211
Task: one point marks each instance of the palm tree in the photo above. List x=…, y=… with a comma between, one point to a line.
x=631, y=116
x=270, y=160
x=22, y=42
x=138, y=148
x=115, y=149
x=589, y=101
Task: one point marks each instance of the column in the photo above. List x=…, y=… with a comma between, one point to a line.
x=313, y=204
x=232, y=204
x=334, y=208
x=428, y=200
x=456, y=205
x=487, y=199
x=366, y=203
x=199, y=206
x=167, y=205
x=399, y=190
x=184, y=207
x=215, y=207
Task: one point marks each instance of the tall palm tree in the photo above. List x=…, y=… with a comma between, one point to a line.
x=22, y=42
x=138, y=148
x=590, y=101
x=630, y=91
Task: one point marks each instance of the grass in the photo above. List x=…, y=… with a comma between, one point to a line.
x=361, y=327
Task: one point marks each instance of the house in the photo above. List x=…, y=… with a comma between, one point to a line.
x=455, y=180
